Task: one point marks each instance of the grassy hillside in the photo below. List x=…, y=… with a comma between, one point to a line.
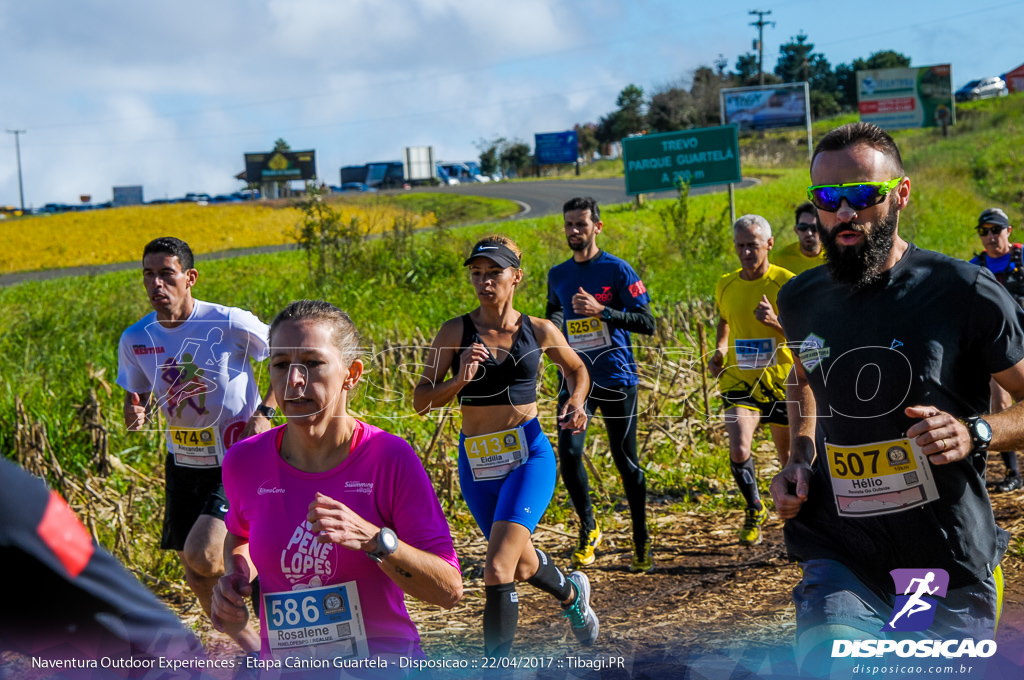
x=59, y=337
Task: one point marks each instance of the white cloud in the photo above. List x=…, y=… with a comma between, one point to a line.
x=170, y=95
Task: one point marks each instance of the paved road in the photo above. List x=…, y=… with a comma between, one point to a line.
x=546, y=197
x=540, y=198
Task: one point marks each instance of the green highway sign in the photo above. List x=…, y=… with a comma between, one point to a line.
x=702, y=156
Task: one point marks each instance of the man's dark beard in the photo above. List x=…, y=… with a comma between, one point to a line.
x=581, y=245
x=860, y=265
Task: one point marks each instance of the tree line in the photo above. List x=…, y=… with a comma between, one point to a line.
x=675, y=106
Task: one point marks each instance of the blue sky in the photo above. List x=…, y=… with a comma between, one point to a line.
x=171, y=95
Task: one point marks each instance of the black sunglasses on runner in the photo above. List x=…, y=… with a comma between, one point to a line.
x=995, y=229
x=803, y=226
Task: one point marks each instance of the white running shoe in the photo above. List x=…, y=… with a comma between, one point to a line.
x=581, y=617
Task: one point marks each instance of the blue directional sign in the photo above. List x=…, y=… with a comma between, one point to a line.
x=556, y=147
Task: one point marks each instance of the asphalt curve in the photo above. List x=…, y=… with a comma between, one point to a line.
x=545, y=197
x=536, y=199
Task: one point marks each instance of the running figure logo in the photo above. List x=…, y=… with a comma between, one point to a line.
x=914, y=610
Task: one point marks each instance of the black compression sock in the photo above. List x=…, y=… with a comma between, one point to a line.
x=549, y=579
x=1010, y=461
x=746, y=480
x=501, y=618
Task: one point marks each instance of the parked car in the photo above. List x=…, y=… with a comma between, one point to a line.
x=982, y=88
x=356, y=186
x=465, y=173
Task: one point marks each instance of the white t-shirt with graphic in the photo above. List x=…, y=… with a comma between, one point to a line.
x=199, y=375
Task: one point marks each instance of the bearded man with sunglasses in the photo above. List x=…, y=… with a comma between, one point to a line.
x=807, y=252
x=893, y=346
x=1003, y=259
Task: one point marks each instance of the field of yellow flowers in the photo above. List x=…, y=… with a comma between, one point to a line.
x=119, y=234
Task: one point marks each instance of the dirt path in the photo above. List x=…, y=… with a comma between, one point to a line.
x=711, y=608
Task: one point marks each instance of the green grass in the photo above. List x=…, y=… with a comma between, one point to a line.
x=455, y=209
x=401, y=289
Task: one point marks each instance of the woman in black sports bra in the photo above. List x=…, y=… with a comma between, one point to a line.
x=507, y=468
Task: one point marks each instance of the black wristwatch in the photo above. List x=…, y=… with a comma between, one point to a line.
x=981, y=434
x=606, y=313
x=387, y=544
x=266, y=411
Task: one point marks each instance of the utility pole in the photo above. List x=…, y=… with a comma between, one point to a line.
x=17, y=149
x=760, y=23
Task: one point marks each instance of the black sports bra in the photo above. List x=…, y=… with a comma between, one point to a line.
x=512, y=381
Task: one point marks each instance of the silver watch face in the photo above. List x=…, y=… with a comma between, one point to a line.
x=388, y=541
x=983, y=430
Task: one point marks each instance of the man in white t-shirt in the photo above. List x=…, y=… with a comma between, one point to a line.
x=189, y=362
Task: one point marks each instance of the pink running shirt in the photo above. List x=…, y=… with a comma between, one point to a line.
x=382, y=480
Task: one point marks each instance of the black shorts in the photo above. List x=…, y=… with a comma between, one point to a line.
x=191, y=492
x=772, y=411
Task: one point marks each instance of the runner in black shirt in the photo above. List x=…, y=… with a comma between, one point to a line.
x=894, y=347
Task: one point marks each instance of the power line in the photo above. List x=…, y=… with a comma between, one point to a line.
x=601, y=45
x=403, y=81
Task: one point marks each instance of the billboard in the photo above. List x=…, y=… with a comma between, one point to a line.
x=555, y=147
x=280, y=166
x=128, y=195
x=702, y=156
x=906, y=97
x=418, y=163
x=770, y=106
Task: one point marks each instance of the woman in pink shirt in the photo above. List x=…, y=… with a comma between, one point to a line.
x=337, y=517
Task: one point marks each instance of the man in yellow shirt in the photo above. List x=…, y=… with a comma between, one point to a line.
x=807, y=251
x=752, y=368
